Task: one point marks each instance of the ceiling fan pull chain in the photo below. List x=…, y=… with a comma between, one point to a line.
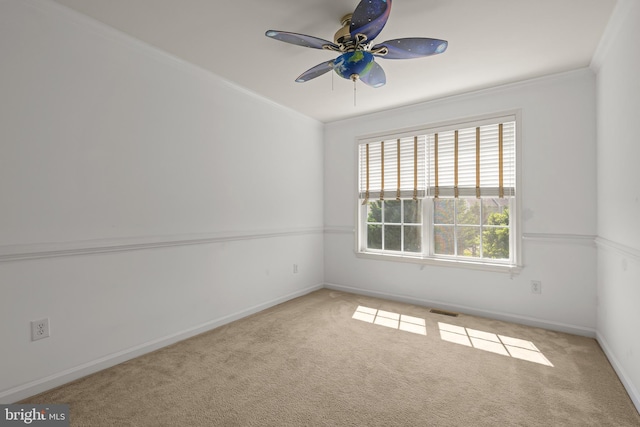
x=355, y=87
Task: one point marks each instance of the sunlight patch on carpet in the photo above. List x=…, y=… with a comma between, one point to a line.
x=414, y=325
x=487, y=341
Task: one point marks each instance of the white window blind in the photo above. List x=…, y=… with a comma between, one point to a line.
x=393, y=169
x=477, y=161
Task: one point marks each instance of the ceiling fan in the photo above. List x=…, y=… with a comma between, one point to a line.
x=355, y=43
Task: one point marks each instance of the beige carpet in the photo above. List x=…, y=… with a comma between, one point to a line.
x=309, y=362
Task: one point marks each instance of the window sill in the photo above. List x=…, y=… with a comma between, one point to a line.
x=443, y=262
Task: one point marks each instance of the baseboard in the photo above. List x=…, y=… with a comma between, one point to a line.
x=32, y=388
x=523, y=320
x=624, y=378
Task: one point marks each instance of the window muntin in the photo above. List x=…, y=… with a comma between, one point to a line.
x=394, y=226
x=465, y=211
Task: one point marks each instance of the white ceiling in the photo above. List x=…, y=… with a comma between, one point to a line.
x=491, y=42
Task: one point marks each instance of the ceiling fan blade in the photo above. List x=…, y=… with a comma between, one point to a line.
x=375, y=77
x=408, y=48
x=316, y=71
x=301, y=39
x=369, y=18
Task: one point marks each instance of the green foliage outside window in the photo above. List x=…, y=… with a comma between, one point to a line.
x=496, y=239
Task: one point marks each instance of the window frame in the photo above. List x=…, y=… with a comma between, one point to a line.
x=427, y=256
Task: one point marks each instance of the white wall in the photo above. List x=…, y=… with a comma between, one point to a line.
x=558, y=209
x=143, y=199
x=618, y=95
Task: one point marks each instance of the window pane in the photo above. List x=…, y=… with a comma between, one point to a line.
x=444, y=240
x=412, y=238
x=468, y=211
x=495, y=211
x=412, y=211
x=495, y=242
x=443, y=211
x=468, y=241
x=392, y=211
x=374, y=211
x=374, y=236
x=392, y=237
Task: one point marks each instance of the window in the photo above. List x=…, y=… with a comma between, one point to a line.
x=442, y=193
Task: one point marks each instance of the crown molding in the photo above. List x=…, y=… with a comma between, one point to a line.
x=96, y=27
x=619, y=14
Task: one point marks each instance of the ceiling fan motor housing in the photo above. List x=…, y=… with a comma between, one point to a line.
x=343, y=35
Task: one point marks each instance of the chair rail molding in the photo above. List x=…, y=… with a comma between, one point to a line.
x=580, y=239
x=619, y=248
x=10, y=253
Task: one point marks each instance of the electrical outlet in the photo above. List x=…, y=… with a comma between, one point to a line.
x=39, y=329
x=536, y=287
